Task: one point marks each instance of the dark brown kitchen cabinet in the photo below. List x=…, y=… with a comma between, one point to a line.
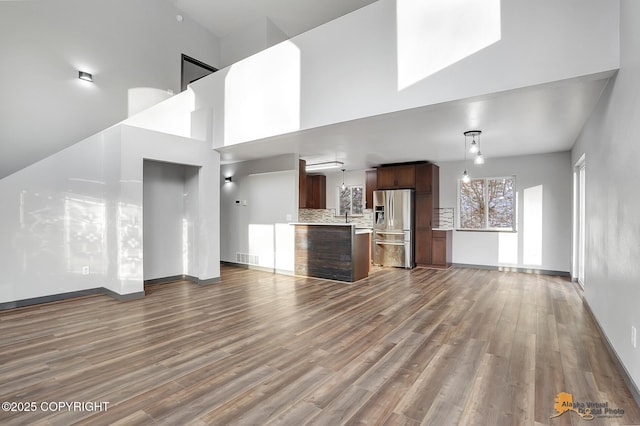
x=316, y=192
x=427, y=180
x=427, y=199
x=423, y=217
x=441, y=249
x=422, y=247
x=302, y=184
x=396, y=177
x=423, y=228
x=370, y=186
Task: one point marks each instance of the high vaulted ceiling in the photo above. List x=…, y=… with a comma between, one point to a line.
x=223, y=17
x=45, y=109
x=546, y=118
x=533, y=120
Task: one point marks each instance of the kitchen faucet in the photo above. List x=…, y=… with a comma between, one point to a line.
x=346, y=216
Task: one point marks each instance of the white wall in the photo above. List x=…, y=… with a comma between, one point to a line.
x=163, y=208
x=173, y=116
x=274, y=34
x=192, y=220
x=140, y=144
x=81, y=210
x=262, y=195
x=351, y=67
x=170, y=215
x=132, y=48
x=55, y=220
x=250, y=40
x=548, y=173
x=609, y=143
x=334, y=180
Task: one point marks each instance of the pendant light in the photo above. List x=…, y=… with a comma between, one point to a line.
x=343, y=186
x=474, y=147
x=465, y=175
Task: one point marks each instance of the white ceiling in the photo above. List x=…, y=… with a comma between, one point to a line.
x=293, y=17
x=533, y=120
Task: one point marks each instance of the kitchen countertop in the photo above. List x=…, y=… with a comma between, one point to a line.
x=359, y=230
x=323, y=223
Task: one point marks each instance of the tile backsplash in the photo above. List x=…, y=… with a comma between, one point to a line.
x=329, y=216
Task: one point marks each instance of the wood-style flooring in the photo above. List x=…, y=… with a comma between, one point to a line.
x=403, y=347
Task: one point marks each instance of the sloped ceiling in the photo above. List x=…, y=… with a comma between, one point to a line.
x=45, y=108
x=532, y=120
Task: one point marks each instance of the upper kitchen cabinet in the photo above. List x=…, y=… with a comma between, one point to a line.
x=396, y=177
x=316, y=192
x=302, y=184
x=427, y=179
x=370, y=186
x=312, y=189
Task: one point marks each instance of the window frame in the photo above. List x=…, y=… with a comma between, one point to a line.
x=350, y=190
x=486, y=213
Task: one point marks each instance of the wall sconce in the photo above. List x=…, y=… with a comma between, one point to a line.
x=227, y=179
x=83, y=75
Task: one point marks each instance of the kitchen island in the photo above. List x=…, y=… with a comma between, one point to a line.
x=335, y=251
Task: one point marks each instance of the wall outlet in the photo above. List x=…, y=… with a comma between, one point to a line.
x=634, y=341
x=85, y=270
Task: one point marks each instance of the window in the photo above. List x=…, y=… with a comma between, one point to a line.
x=350, y=200
x=487, y=204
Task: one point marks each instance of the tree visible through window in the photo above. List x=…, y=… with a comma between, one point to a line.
x=350, y=200
x=487, y=203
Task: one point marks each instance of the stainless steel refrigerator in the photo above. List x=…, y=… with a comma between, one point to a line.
x=393, y=228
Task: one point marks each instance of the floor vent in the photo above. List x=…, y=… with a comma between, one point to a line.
x=248, y=259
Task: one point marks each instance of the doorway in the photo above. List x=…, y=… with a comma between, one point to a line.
x=192, y=70
x=170, y=220
x=579, y=183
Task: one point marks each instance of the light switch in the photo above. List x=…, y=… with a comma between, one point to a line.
x=244, y=202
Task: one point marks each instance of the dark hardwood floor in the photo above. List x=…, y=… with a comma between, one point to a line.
x=461, y=346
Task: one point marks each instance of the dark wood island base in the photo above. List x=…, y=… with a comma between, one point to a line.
x=332, y=251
